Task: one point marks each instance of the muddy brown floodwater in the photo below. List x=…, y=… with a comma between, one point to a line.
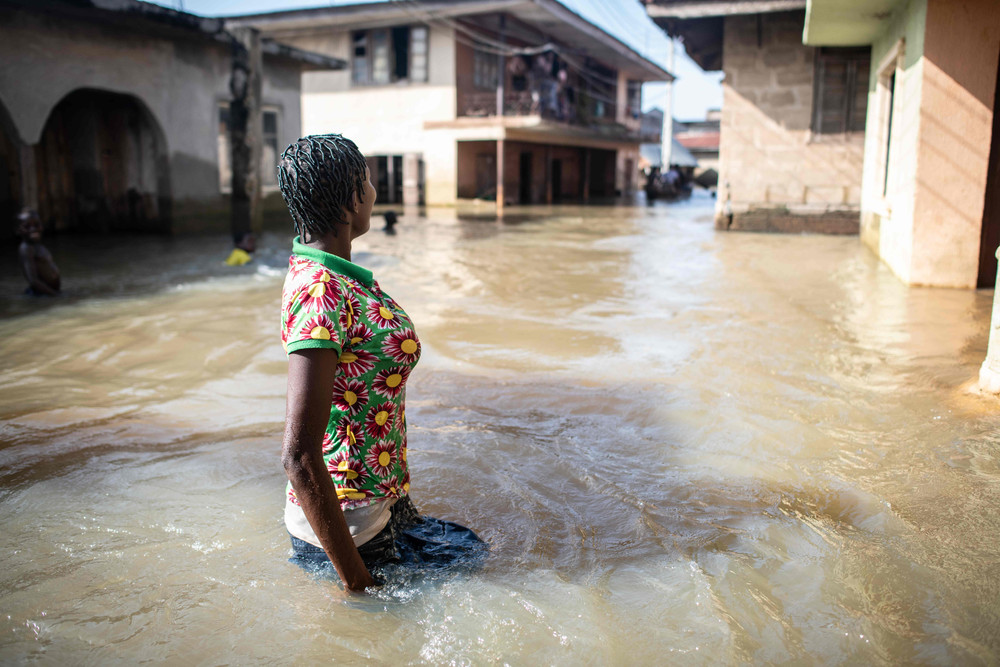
x=682, y=446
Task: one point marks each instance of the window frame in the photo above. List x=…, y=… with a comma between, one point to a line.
x=224, y=149
x=854, y=59
x=365, y=64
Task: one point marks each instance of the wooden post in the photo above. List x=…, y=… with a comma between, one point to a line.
x=245, y=130
x=29, y=176
x=548, y=175
x=586, y=175
x=500, y=152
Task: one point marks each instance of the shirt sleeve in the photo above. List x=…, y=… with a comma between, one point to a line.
x=314, y=315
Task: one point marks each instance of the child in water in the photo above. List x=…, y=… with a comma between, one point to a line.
x=36, y=261
x=350, y=350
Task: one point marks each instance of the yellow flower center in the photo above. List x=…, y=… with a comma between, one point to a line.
x=408, y=346
x=404, y=454
x=384, y=458
x=317, y=290
x=381, y=417
x=393, y=380
x=406, y=487
x=350, y=436
x=385, y=313
x=326, y=277
x=355, y=340
x=348, y=358
x=349, y=493
x=319, y=333
x=350, y=397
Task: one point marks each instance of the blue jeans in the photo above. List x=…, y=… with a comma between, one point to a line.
x=408, y=539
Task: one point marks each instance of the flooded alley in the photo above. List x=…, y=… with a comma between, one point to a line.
x=682, y=446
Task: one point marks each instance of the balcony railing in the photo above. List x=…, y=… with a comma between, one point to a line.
x=562, y=107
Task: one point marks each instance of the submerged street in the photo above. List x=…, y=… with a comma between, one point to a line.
x=682, y=446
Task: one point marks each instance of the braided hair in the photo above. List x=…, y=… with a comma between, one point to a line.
x=317, y=176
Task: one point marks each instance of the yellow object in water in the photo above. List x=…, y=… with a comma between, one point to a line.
x=238, y=257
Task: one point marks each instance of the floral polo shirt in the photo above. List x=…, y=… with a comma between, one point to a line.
x=329, y=302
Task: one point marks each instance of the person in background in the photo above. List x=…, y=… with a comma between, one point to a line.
x=36, y=261
x=390, y=222
x=246, y=244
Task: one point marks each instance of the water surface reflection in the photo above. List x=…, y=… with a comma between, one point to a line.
x=681, y=446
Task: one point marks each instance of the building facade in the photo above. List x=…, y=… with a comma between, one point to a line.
x=791, y=136
x=930, y=206
x=516, y=101
x=113, y=115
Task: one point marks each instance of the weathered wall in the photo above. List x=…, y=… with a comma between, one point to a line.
x=387, y=119
x=927, y=226
x=775, y=174
x=886, y=219
x=180, y=80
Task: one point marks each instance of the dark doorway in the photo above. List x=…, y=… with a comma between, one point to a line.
x=387, y=177
x=486, y=176
x=103, y=166
x=524, y=185
x=557, y=180
x=10, y=176
x=990, y=236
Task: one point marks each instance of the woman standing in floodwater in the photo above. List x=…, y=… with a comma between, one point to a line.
x=350, y=349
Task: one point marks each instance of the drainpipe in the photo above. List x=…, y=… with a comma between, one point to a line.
x=989, y=372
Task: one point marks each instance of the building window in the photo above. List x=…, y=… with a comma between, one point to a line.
x=484, y=70
x=841, y=97
x=633, y=106
x=388, y=55
x=269, y=149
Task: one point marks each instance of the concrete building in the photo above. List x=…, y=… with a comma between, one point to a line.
x=701, y=139
x=930, y=204
x=421, y=97
x=113, y=114
x=791, y=143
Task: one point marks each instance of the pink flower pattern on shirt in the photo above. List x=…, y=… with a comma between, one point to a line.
x=332, y=304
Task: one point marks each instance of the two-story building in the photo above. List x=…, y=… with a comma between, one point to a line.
x=445, y=96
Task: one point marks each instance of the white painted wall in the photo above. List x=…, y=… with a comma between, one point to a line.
x=387, y=119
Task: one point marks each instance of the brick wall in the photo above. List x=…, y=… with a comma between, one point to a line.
x=774, y=173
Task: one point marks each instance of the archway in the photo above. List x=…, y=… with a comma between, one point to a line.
x=103, y=165
x=10, y=176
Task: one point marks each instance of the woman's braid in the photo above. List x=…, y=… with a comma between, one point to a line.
x=317, y=176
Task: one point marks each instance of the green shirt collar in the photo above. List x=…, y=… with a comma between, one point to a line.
x=334, y=263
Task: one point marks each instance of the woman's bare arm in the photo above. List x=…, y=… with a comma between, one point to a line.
x=307, y=410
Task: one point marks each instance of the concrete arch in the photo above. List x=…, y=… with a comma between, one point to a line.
x=103, y=165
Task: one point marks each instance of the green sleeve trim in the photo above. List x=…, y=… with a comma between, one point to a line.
x=313, y=344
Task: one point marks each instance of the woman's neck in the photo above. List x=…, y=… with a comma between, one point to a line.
x=334, y=242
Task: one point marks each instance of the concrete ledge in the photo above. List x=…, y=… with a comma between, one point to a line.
x=782, y=221
x=989, y=379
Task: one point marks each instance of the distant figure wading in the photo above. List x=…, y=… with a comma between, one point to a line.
x=37, y=265
x=350, y=350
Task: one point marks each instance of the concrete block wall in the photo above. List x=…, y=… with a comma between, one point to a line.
x=775, y=174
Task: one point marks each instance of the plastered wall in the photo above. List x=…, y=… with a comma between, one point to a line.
x=775, y=174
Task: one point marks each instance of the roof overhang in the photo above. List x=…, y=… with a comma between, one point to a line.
x=547, y=16
x=699, y=22
x=169, y=23
x=846, y=22
x=693, y=9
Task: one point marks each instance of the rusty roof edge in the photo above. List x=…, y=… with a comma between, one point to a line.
x=557, y=8
x=314, y=60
